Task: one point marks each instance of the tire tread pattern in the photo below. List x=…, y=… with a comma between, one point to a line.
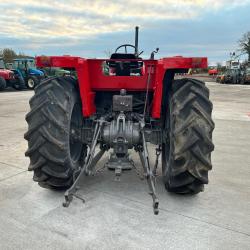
x=48, y=132
x=191, y=136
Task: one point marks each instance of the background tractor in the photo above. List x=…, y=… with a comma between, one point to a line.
x=8, y=78
x=25, y=68
x=233, y=76
x=54, y=71
x=246, y=76
x=72, y=123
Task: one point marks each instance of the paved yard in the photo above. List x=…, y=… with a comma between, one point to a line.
x=118, y=215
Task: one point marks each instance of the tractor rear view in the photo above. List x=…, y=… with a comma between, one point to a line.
x=118, y=104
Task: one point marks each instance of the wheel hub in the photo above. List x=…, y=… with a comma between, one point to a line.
x=31, y=83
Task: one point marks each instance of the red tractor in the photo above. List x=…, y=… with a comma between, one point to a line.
x=121, y=103
x=6, y=76
x=213, y=72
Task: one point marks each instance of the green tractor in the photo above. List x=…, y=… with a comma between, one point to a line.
x=53, y=71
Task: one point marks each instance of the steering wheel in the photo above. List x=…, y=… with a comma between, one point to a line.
x=125, y=47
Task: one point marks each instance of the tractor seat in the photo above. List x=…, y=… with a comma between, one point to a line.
x=123, y=68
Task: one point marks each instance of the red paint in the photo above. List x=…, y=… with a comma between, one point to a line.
x=6, y=74
x=213, y=72
x=91, y=77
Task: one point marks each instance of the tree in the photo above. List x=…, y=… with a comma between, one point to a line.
x=244, y=44
x=8, y=55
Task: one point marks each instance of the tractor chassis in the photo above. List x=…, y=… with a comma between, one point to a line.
x=119, y=163
x=70, y=117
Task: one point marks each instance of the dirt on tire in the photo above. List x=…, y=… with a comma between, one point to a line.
x=187, y=146
x=49, y=132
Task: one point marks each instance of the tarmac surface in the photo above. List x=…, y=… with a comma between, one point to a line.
x=118, y=215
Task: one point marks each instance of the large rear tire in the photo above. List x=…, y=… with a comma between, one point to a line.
x=54, y=117
x=187, y=144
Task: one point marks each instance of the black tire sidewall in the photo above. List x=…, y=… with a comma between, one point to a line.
x=167, y=148
x=181, y=170
x=53, y=123
x=3, y=83
x=74, y=102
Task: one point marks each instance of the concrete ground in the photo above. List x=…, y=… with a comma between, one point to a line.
x=118, y=215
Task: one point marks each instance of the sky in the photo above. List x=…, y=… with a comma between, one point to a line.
x=94, y=28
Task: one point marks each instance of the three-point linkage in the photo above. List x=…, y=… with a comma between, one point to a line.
x=92, y=159
x=88, y=166
x=150, y=175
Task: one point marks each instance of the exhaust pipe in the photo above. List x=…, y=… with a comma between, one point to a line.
x=136, y=40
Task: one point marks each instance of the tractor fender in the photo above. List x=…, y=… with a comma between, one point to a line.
x=162, y=89
x=5, y=74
